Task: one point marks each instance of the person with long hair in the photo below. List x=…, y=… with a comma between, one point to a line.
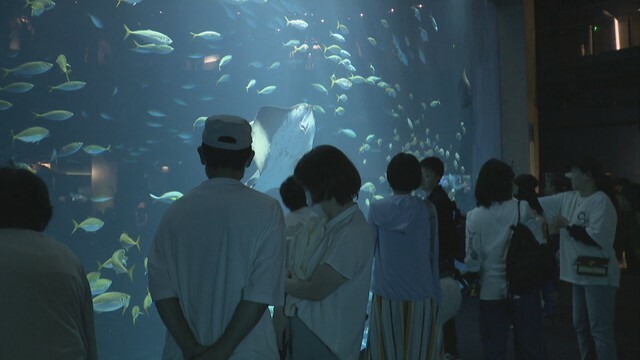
x=488, y=236
x=587, y=221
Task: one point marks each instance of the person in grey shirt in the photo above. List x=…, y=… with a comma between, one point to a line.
x=46, y=311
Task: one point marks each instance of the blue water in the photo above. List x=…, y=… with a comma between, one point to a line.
x=143, y=105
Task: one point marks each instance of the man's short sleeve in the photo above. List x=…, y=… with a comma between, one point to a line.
x=160, y=285
x=266, y=279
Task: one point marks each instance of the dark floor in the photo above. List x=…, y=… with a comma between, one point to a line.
x=559, y=334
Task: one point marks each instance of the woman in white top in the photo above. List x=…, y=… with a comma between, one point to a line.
x=330, y=310
x=587, y=221
x=487, y=240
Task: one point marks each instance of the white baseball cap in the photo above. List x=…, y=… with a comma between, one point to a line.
x=227, y=132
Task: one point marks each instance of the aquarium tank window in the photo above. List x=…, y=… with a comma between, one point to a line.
x=106, y=101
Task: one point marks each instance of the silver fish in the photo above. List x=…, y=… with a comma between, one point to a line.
x=17, y=87
x=90, y=224
x=68, y=86
x=56, y=115
x=4, y=105
x=161, y=49
x=168, y=197
x=150, y=36
x=111, y=301
x=28, y=69
x=208, y=35
x=31, y=135
x=298, y=24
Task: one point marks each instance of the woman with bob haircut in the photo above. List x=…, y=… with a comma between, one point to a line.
x=405, y=272
x=327, y=321
x=587, y=221
x=488, y=236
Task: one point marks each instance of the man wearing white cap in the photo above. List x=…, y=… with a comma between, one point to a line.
x=217, y=260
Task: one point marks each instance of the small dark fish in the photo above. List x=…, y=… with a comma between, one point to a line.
x=96, y=21
x=464, y=90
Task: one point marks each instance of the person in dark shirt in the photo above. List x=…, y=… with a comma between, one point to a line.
x=46, y=311
x=432, y=171
x=448, y=242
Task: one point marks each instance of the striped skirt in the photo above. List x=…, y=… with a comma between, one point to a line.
x=402, y=330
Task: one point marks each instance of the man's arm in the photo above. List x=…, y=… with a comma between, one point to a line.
x=173, y=318
x=580, y=233
x=245, y=318
x=575, y=231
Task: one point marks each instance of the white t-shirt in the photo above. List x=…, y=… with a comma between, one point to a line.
x=219, y=244
x=598, y=215
x=338, y=320
x=487, y=240
x=46, y=311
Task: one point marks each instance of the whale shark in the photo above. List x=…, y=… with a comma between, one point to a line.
x=280, y=137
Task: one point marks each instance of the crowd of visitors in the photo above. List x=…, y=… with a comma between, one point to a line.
x=224, y=253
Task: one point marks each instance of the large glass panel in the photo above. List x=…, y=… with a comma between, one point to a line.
x=105, y=101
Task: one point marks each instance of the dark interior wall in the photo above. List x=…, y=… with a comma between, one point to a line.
x=517, y=81
x=617, y=147
x=588, y=102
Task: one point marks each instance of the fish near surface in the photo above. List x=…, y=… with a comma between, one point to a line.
x=280, y=137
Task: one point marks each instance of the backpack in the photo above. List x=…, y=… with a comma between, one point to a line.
x=529, y=263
